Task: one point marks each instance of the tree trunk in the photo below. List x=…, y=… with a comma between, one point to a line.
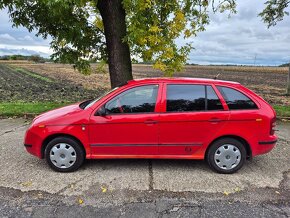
x=288, y=82
x=120, y=66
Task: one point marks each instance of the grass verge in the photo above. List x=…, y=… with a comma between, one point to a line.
x=282, y=111
x=19, y=109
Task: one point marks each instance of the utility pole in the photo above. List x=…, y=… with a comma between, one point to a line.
x=288, y=82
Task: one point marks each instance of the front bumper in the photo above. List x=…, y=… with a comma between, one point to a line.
x=33, y=142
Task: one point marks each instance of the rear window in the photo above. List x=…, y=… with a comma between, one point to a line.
x=236, y=100
x=213, y=102
x=192, y=98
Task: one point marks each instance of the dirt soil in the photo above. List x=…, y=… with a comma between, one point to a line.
x=20, y=86
x=269, y=82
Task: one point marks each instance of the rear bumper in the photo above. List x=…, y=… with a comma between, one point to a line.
x=265, y=146
x=268, y=142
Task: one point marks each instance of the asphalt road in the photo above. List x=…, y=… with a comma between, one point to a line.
x=143, y=188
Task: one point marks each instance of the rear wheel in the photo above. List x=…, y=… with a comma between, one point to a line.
x=64, y=154
x=226, y=155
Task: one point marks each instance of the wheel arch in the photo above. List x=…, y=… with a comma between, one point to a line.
x=242, y=140
x=53, y=136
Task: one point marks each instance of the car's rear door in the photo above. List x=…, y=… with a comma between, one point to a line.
x=192, y=115
x=130, y=126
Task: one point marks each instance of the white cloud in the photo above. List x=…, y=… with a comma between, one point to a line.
x=22, y=51
x=20, y=40
x=37, y=48
x=6, y=37
x=26, y=38
x=241, y=38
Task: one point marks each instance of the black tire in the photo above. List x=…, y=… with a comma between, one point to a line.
x=78, y=154
x=222, y=144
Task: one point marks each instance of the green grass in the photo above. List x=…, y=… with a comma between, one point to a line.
x=32, y=74
x=21, y=108
x=282, y=111
x=21, y=70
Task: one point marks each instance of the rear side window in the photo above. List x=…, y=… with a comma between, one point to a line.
x=185, y=98
x=236, y=100
x=192, y=98
x=213, y=102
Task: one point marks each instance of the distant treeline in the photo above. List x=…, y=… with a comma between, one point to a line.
x=34, y=58
x=285, y=65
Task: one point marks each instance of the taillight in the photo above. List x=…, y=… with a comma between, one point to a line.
x=272, y=126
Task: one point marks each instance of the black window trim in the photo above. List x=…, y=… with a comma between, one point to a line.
x=205, y=96
x=230, y=87
x=135, y=113
x=202, y=84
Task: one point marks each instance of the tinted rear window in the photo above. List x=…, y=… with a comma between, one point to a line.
x=236, y=100
x=192, y=98
x=185, y=98
x=213, y=102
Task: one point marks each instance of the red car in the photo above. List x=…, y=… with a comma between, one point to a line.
x=178, y=118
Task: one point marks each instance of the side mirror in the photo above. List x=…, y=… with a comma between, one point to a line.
x=101, y=112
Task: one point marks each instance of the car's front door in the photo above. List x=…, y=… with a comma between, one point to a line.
x=130, y=126
x=192, y=116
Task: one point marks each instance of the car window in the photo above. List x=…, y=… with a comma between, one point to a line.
x=185, y=98
x=213, y=102
x=235, y=99
x=141, y=99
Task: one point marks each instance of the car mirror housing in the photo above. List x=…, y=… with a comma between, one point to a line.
x=101, y=111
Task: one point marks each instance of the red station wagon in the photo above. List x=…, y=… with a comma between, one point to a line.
x=178, y=118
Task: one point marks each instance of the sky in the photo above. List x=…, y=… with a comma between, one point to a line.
x=241, y=39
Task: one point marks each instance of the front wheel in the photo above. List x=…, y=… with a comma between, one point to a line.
x=64, y=154
x=226, y=155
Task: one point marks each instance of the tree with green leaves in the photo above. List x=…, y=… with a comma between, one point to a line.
x=116, y=31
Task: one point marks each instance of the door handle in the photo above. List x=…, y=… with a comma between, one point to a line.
x=215, y=120
x=150, y=121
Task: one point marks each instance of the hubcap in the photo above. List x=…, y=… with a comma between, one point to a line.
x=227, y=156
x=63, y=155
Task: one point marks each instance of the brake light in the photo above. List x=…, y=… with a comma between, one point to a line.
x=272, y=126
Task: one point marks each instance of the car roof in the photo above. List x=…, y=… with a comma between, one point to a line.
x=182, y=80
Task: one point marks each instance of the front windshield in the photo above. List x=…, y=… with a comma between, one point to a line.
x=94, y=101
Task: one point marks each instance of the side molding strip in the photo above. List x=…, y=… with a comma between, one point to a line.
x=112, y=145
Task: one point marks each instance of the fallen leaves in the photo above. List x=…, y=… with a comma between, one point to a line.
x=104, y=189
x=26, y=184
x=80, y=201
x=235, y=190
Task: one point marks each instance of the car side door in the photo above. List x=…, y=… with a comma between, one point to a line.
x=192, y=116
x=130, y=125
